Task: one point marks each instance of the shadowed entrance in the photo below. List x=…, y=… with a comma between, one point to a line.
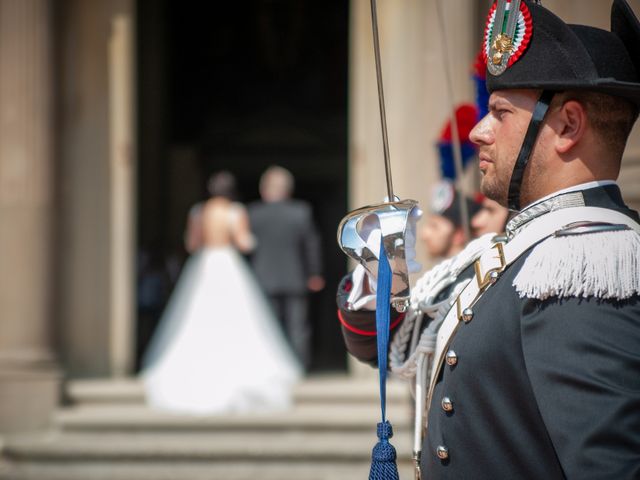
x=240, y=86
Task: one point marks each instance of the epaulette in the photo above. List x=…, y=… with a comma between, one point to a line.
x=583, y=259
x=580, y=228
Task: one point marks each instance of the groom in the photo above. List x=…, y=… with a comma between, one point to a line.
x=287, y=259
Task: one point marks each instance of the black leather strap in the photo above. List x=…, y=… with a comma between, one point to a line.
x=529, y=141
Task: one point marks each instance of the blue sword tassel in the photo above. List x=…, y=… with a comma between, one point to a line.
x=383, y=457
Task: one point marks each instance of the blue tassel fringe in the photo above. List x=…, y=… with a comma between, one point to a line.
x=383, y=456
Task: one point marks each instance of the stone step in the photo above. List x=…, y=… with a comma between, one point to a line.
x=302, y=417
x=104, y=391
x=187, y=456
x=344, y=389
x=226, y=446
x=315, y=389
x=107, y=432
x=123, y=470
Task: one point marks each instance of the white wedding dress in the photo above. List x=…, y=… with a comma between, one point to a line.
x=218, y=347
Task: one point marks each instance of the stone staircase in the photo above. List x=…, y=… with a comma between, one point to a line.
x=107, y=433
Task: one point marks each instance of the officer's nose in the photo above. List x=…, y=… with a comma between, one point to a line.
x=481, y=134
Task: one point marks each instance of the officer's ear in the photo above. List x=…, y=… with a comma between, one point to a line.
x=570, y=121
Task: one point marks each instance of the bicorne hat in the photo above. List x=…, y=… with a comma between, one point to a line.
x=445, y=202
x=545, y=53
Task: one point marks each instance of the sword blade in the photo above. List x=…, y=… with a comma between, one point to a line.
x=383, y=116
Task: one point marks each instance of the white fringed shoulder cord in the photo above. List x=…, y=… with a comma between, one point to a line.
x=600, y=261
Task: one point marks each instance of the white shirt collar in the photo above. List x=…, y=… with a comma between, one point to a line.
x=574, y=188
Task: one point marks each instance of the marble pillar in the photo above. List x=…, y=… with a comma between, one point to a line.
x=29, y=377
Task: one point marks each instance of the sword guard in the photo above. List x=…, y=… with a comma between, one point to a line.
x=395, y=222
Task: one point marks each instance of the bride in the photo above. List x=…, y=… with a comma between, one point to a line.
x=218, y=347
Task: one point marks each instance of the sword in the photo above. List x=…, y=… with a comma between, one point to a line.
x=390, y=218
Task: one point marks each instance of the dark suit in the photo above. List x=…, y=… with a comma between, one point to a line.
x=287, y=254
x=542, y=389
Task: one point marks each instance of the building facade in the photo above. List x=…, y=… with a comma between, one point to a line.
x=69, y=157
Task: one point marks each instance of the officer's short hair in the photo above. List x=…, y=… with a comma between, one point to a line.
x=611, y=117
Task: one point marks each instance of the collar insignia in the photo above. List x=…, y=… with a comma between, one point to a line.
x=507, y=34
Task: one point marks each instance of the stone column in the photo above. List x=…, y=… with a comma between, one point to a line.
x=122, y=153
x=29, y=378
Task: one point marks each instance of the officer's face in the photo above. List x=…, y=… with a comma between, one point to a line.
x=499, y=137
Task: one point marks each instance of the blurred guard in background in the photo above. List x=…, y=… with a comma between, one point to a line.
x=442, y=231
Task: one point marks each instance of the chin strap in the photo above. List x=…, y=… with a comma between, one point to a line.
x=528, y=143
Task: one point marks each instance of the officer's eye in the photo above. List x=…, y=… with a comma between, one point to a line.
x=499, y=113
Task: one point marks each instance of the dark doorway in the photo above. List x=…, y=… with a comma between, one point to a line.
x=240, y=86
